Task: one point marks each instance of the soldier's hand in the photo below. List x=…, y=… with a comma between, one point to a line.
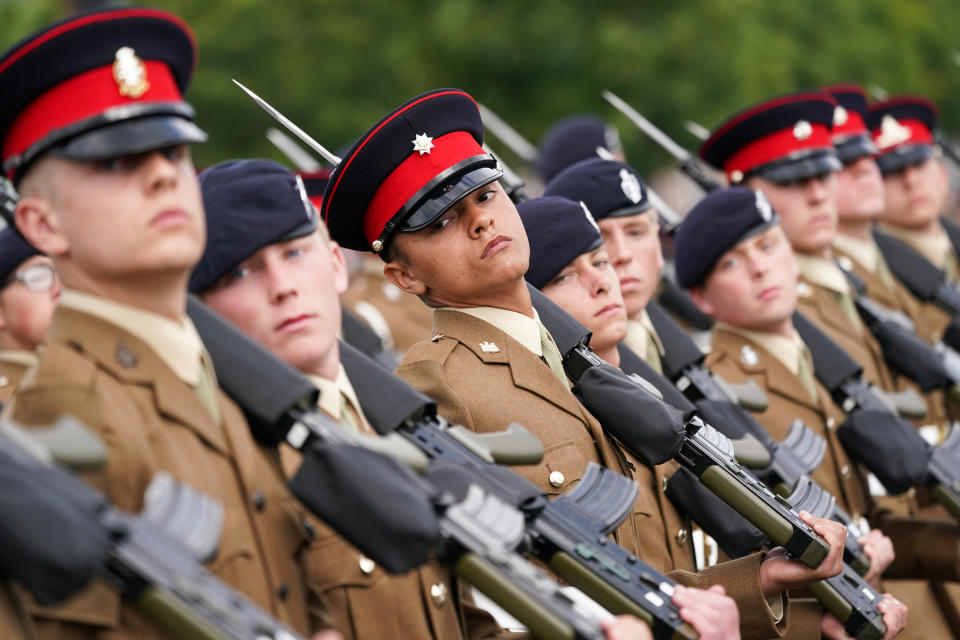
x=879, y=548
x=713, y=614
x=627, y=628
x=894, y=617
x=778, y=573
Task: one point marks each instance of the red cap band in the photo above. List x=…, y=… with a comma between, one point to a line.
x=413, y=174
x=892, y=133
x=852, y=125
x=778, y=145
x=84, y=96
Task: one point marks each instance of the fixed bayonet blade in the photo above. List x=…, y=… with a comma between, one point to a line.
x=290, y=126
x=648, y=127
x=668, y=216
x=508, y=135
x=697, y=130
x=294, y=152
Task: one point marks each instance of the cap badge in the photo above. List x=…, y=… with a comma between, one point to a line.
x=763, y=206
x=749, y=356
x=590, y=218
x=129, y=73
x=630, y=186
x=423, y=143
x=489, y=347
x=802, y=130
x=840, y=116
x=892, y=133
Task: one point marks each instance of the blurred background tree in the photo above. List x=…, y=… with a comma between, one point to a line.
x=335, y=67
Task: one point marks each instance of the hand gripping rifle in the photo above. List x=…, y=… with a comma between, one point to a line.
x=59, y=533
x=568, y=533
x=708, y=454
x=886, y=445
x=790, y=462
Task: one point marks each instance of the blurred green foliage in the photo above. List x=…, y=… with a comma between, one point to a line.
x=335, y=67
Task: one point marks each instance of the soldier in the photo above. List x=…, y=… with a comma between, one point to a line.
x=28, y=293
x=734, y=256
x=617, y=197
x=575, y=138
x=449, y=234
x=914, y=179
x=95, y=134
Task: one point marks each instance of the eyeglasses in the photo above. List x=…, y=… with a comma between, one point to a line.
x=37, y=277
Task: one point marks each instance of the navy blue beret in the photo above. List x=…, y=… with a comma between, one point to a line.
x=250, y=204
x=719, y=222
x=13, y=251
x=572, y=139
x=559, y=230
x=609, y=188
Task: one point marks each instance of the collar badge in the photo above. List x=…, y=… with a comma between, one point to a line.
x=489, y=347
x=130, y=73
x=422, y=143
x=749, y=356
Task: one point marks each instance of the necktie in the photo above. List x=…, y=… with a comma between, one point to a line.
x=653, y=354
x=206, y=388
x=347, y=415
x=850, y=310
x=551, y=355
x=805, y=373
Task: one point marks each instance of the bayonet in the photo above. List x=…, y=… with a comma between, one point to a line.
x=288, y=124
x=697, y=130
x=294, y=152
x=508, y=135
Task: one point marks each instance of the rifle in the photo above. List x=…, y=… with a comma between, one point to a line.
x=889, y=447
x=567, y=533
x=686, y=162
x=791, y=461
x=709, y=455
x=152, y=559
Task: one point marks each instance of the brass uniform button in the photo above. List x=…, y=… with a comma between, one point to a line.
x=682, y=536
x=367, y=565
x=283, y=592
x=259, y=500
x=438, y=593
x=4, y=381
x=556, y=479
x=845, y=471
x=831, y=424
x=663, y=484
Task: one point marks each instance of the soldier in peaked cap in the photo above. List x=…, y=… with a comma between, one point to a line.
x=575, y=138
x=783, y=148
x=617, y=197
x=419, y=190
x=915, y=180
x=29, y=289
x=95, y=132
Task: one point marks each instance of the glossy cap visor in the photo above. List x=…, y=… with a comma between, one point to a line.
x=853, y=148
x=792, y=169
x=907, y=155
x=130, y=137
x=441, y=193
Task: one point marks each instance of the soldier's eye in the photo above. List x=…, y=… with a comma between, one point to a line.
x=486, y=195
x=239, y=274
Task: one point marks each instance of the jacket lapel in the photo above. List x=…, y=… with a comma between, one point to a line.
x=822, y=303
x=131, y=361
x=527, y=370
x=778, y=378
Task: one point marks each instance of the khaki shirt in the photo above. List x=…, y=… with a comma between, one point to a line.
x=13, y=366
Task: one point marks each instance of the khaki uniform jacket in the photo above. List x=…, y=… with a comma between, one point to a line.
x=399, y=318
x=919, y=548
x=820, y=306
x=151, y=420
x=15, y=621
x=11, y=371
x=487, y=390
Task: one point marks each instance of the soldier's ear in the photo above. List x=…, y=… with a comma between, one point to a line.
x=699, y=299
x=40, y=224
x=339, y=264
x=399, y=274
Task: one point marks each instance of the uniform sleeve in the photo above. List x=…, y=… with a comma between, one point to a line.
x=928, y=549
x=741, y=580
